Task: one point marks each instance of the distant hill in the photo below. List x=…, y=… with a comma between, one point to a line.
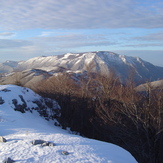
x=26, y=78
x=154, y=85
x=8, y=66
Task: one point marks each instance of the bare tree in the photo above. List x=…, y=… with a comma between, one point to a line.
x=103, y=108
x=138, y=122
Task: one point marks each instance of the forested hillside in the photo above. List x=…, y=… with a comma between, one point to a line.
x=102, y=108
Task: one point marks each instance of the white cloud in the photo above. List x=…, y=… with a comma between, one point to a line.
x=72, y=40
x=158, y=36
x=21, y=53
x=73, y=14
x=46, y=45
x=46, y=34
x=6, y=34
x=140, y=45
x=9, y=44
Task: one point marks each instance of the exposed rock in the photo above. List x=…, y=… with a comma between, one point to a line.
x=65, y=153
x=5, y=90
x=43, y=105
x=51, y=144
x=48, y=144
x=36, y=142
x=1, y=101
x=56, y=124
x=22, y=99
x=43, y=143
x=18, y=107
x=8, y=160
x=2, y=139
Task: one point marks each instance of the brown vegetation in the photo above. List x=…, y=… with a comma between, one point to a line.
x=101, y=107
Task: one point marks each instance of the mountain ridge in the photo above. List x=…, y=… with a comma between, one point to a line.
x=100, y=62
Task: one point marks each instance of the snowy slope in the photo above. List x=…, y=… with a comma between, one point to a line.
x=76, y=61
x=21, y=128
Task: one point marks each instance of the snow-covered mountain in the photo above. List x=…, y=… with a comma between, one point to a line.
x=101, y=62
x=21, y=128
x=8, y=66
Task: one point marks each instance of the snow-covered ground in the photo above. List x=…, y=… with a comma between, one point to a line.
x=21, y=128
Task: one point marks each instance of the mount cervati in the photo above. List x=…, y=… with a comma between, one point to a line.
x=38, y=68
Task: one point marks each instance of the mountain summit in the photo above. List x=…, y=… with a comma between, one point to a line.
x=100, y=62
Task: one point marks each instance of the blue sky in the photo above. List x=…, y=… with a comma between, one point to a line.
x=49, y=27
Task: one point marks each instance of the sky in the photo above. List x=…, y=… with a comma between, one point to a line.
x=31, y=28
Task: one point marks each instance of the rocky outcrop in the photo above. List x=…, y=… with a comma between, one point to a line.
x=20, y=107
x=23, y=99
x=65, y=153
x=2, y=139
x=1, y=101
x=43, y=143
x=8, y=160
x=46, y=107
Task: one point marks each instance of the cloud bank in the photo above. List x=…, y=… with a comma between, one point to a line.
x=30, y=28
x=8, y=43
x=84, y=14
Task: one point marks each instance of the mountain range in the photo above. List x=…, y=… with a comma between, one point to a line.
x=100, y=62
